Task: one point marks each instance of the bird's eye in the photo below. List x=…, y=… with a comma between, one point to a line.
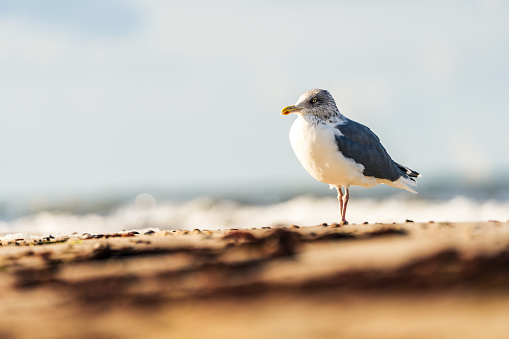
x=314, y=101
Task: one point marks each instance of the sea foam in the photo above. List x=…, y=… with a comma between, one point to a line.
x=208, y=213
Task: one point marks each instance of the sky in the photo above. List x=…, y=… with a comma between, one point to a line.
x=101, y=95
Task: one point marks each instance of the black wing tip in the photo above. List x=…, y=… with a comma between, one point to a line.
x=410, y=173
x=413, y=174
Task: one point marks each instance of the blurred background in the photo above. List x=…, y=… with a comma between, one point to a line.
x=121, y=114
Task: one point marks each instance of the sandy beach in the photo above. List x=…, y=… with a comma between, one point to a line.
x=410, y=280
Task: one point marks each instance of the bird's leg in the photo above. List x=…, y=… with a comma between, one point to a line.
x=340, y=198
x=345, y=197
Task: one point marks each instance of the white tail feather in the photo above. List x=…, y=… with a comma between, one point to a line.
x=402, y=183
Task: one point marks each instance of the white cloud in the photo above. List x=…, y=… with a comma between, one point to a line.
x=34, y=45
x=194, y=64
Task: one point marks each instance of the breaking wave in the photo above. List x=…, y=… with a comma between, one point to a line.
x=207, y=213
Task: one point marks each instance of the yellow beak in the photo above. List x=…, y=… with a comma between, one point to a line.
x=290, y=109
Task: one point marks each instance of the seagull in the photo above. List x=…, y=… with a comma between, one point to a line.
x=339, y=151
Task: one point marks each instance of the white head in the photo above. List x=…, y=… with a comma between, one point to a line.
x=317, y=102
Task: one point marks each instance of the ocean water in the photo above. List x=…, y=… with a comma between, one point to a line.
x=247, y=207
x=209, y=213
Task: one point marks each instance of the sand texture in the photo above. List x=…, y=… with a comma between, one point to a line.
x=411, y=280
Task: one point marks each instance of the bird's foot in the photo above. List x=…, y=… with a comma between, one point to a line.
x=343, y=222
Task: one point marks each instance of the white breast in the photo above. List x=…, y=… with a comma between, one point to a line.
x=316, y=149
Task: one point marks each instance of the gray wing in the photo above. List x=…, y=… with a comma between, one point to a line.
x=359, y=143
